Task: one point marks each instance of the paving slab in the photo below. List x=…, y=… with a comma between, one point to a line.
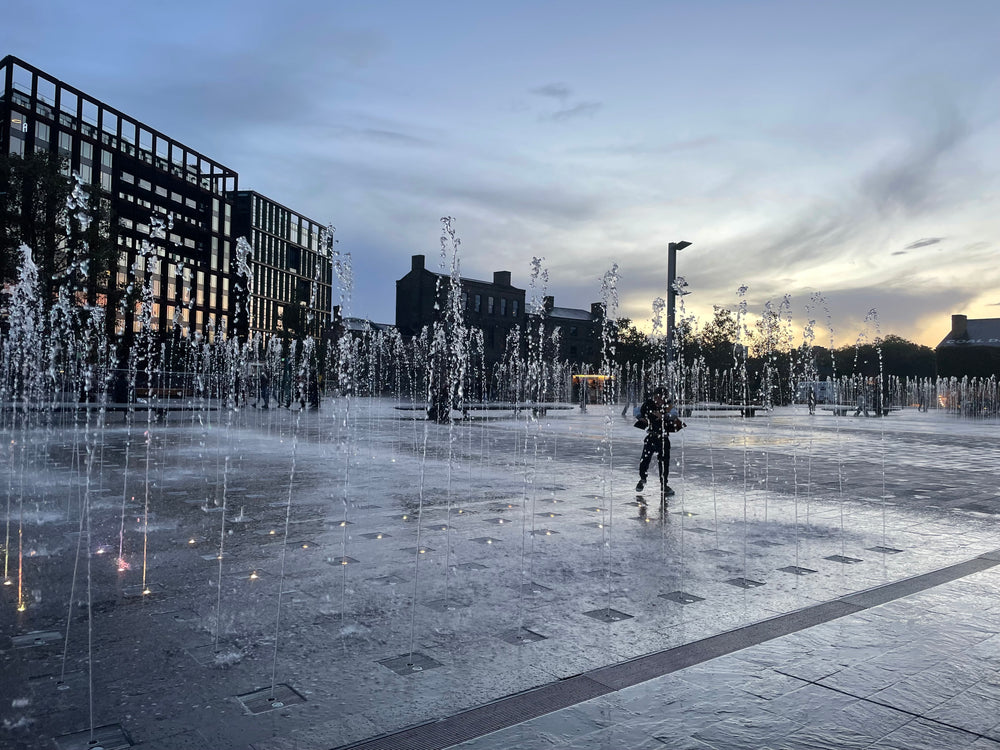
x=249, y=584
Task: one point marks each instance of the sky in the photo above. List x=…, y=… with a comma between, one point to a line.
x=844, y=156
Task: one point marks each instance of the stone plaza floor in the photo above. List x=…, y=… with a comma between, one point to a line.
x=355, y=577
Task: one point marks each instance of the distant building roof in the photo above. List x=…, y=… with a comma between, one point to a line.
x=362, y=324
x=569, y=313
x=975, y=332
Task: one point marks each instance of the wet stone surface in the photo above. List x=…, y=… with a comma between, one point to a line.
x=305, y=587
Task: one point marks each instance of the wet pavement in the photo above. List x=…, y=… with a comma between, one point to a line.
x=919, y=672
x=322, y=579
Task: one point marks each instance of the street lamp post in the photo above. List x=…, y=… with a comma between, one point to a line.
x=672, y=249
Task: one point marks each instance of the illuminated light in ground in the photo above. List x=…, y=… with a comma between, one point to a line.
x=404, y=518
x=489, y=541
x=305, y=546
x=7, y=582
x=254, y=576
x=122, y=564
x=191, y=541
x=343, y=562
x=22, y=607
x=272, y=532
x=548, y=533
x=146, y=592
x=378, y=536
x=422, y=551
x=100, y=550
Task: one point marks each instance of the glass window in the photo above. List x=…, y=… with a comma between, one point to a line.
x=479, y=303
x=41, y=136
x=503, y=305
x=513, y=308
x=489, y=305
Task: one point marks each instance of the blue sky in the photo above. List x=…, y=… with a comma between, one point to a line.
x=849, y=149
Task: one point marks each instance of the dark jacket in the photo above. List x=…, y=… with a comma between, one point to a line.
x=660, y=421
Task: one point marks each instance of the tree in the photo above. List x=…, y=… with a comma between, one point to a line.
x=631, y=344
x=66, y=224
x=718, y=339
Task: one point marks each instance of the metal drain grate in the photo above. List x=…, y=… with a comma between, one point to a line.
x=682, y=597
x=521, y=636
x=796, y=570
x=110, y=737
x=270, y=699
x=844, y=559
x=744, y=583
x=408, y=664
x=36, y=638
x=607, y=614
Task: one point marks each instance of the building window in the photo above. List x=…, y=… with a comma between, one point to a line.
x=489, y=305
x=479, y=303
x=503, y=305
x=513, y=308
x=42, y=132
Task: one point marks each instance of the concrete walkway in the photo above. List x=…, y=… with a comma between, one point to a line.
x=922, y=671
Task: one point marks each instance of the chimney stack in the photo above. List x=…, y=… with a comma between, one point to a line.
x=959, y=327
x=501, y=278
x=417, y=263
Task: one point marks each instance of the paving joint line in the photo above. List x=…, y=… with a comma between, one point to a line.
x=538, y=701
x=894, y=708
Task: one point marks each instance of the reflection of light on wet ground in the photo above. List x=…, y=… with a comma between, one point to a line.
x=641, y=561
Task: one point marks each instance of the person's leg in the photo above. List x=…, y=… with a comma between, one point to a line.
x=648, y=449
x=664, y=460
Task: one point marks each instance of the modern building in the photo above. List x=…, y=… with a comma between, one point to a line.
x=972, y=348
x=495, y=307
x=290, y=290
x=156, y=186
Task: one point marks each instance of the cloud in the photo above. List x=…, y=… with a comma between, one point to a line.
x=900, y=252
x=910, y=181
x=553, y=90
x=583, y=109
x=923, y=243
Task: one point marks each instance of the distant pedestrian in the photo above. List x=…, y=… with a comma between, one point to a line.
x=811, y=400
x=660, y=420
x=630, y=398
